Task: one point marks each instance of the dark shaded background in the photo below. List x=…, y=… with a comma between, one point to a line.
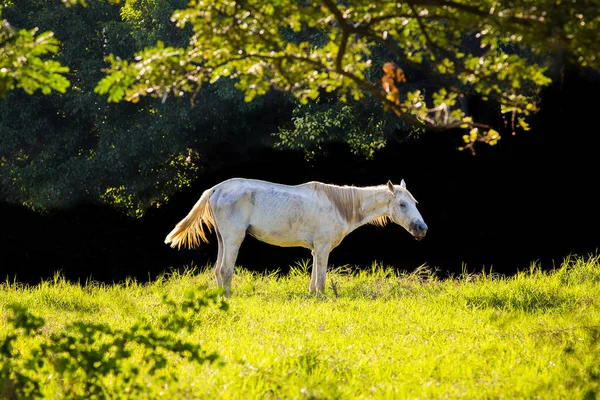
x=533, y=197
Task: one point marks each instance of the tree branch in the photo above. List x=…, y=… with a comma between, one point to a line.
x=342, y=50
x=345, y=28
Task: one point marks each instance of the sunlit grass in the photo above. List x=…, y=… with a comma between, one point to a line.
x=379, y=334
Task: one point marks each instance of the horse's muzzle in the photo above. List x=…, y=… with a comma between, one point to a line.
x=418, y=230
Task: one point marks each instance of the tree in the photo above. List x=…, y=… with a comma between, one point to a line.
x=64, y=148
x=497, y=50
x=345, y=62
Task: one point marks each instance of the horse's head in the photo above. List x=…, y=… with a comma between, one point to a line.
x=403, y=210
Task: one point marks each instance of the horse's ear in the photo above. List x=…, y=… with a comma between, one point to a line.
x=403, y=184
x=390, y=186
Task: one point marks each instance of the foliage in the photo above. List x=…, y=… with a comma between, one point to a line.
x=93, y=360
x=25, y=58
x=333, y=47
x=24, y=61
x=384, y=334
x=363, y=125
x=419, y=59
x=60, y=150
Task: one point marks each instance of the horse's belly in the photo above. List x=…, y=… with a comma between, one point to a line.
x=289, y=220
x=280, y=237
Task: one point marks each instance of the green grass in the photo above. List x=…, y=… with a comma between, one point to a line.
x=380, y=334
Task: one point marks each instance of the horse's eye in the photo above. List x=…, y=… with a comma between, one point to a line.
x=403, y=205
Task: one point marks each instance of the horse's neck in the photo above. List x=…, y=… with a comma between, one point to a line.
x=374, y=203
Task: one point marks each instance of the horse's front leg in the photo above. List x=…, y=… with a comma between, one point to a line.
x=313, y=274
x=320, y=258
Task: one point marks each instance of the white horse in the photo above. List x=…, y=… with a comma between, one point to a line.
x=313, y=215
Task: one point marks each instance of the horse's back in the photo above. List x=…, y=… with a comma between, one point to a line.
x=282, y=215
x=240, y=188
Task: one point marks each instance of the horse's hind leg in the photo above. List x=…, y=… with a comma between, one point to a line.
x=231, y=247
x=219, y=262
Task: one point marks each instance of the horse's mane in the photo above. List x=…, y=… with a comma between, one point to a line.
x=347, y=200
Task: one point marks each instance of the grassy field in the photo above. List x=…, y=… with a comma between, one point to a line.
x=377, y=335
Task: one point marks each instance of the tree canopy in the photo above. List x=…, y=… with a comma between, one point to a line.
x=497, y=50
x=71, y=146
x=297, y=74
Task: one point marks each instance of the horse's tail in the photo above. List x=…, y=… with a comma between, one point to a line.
x=189, y=232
